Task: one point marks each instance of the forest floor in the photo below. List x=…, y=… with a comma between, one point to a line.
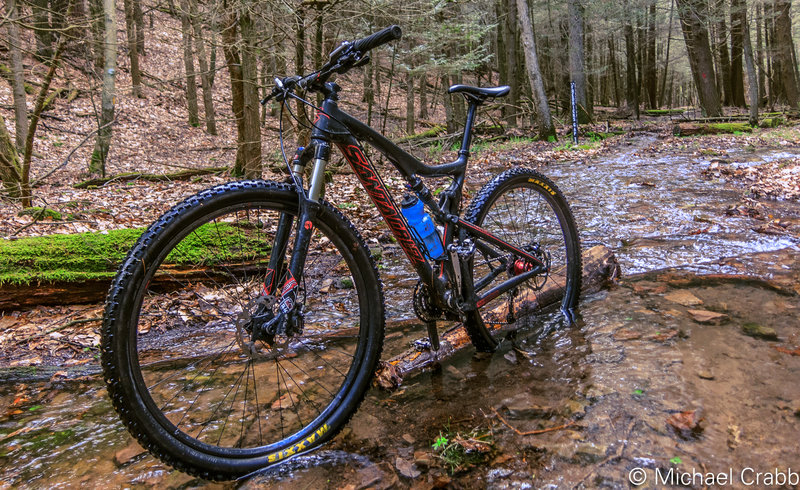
x=69, y=334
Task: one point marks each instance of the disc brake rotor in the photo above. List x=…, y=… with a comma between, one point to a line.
x=244, y=318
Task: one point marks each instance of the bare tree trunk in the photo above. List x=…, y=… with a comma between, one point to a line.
x=614, y=70
x=97, y=165
x=650, y=75
x=762, y=74
x=577, y=71
x=666, y=56
x=303, y=134
x=133, y=49
x=410, y=103
x=752, y=77
x=448, y=106
x=17, y=69
x=10, y=165
x=138, y=17
x=783, y=39
x=41, y=29
x=423, y=96
x=738, y=16
x=188, y=65
x=721, y=47
x=96, y=14
x=252, y=136
x=631, y=90
x=233, y=60
x=510, y=32
x=695, y=33
x=205, y=76
x=546, y=129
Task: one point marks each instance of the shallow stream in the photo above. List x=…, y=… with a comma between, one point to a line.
x=613, y=390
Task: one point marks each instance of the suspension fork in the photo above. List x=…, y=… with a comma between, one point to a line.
x=309, y=205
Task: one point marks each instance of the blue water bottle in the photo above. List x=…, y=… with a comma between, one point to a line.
x=419, y=220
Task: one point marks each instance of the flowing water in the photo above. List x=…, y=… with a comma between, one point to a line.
x=642, y=382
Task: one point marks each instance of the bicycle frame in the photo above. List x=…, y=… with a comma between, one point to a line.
x=333, y=125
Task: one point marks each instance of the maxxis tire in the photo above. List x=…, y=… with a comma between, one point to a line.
x=482, y=204
x=119, y=337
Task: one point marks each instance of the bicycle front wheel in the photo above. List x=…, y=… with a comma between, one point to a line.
x=526, y=209
x=182, y=368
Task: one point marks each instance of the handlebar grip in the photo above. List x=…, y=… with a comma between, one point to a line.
x=374, y=40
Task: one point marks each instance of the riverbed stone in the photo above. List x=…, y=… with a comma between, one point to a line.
x=759, y=331
x=683, y=297
x=585, y=453
x=708, y=317
x=523, y=406
x=128, y=453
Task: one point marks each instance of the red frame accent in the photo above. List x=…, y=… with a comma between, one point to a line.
x=383, y=201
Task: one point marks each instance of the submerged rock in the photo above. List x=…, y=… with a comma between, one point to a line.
x=759, y=331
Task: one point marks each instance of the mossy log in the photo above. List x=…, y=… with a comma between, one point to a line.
x=691, y=129
x=125, y=177
x=428, y=133
x=600, y=268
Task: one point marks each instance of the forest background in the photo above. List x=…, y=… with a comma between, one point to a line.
x=96, y=88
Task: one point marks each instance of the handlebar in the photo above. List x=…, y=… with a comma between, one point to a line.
x=348, y=55
x=379, y=38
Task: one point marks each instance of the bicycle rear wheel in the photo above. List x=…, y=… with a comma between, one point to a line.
x=179, y=361
x=526, y=209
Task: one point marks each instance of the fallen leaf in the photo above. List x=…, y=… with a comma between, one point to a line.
x=686, y=423
x=708, y=317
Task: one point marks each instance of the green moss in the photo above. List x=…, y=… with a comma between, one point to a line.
x=41, y=213
x=731, y=127
x=92, y=256
x=664, y=112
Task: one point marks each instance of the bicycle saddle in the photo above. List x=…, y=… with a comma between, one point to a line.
x=480, y=92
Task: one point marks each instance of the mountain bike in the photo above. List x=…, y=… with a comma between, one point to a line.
x=246, y=324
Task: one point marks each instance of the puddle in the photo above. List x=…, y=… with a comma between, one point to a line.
x=599, y=395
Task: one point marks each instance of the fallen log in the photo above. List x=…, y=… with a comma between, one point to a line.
x=691, y=129
x=93, y=290
x=181, y=175
x=600, y=268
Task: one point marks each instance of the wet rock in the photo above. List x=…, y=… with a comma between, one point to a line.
x=454, y=372
x=646, y=287
x=498, y=474
x=409, y=438
x=759, y=331
x=573, y=408
x=684, y=298
x=708, y=317
x=705, y=375
x=377, y=476
x=663, y=336
x=522, y=406
x=406, y=468
x=585, y=453
x=366, y=428
x=627, y=334
x=128, y=454
x=424, y=458
x=597, y=391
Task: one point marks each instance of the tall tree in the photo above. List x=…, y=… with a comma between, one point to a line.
x=546, y=129
x=188, y=65
x=577, y=71
x=252, y=136
x=205, y=72
x=723, y=78
x=97, y=164
x=631, y=86
x=693, y=22
x=784, y=48
x=752, y=77
x=133, y=48
x=738, y=21
x=18, y=76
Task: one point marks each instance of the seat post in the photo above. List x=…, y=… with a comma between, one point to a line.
x=474, y=102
